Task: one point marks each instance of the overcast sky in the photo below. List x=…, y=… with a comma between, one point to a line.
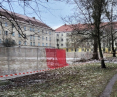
x=50, y=12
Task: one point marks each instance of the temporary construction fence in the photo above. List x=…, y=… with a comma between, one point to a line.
x=56, y=58
x=25, y=59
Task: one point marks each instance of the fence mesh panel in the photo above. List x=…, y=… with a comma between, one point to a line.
x=74, y=80
x=17, y=59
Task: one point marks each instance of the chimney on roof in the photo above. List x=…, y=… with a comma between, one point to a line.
x=65, y=24
x=33, y=17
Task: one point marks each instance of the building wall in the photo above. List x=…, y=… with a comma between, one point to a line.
x=86, y=47
x=62, y=37
x=36, y=35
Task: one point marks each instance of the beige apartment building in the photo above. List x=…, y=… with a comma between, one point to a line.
x=65, y=40
x=25, y=31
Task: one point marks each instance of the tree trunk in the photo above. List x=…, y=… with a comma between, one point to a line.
x=100, y=51
x=103, y=64
x=113, y=50
x=95, y=51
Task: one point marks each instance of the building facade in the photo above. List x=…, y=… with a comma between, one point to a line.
x=66, y=40
x=25, y=31
x=62, y=35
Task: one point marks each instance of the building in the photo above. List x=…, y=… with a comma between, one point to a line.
x=65, y=40
x=25, y=31
x=62, y=35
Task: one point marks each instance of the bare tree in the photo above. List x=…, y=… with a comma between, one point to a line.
x=24, y=5
x=91, y=13
x=111, y=16
x=78, y=41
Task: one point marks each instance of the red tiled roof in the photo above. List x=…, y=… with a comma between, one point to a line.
x=69, y=28
x=16, y=16
x=64, y=28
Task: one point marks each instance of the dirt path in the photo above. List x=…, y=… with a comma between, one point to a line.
x=108, y=89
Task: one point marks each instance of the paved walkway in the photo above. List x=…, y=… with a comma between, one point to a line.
x=108, y=89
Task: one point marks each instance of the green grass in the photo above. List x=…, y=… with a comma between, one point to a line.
x=4, y=82
x=76, y=81
x=114, y=90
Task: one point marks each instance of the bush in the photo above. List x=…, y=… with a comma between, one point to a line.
x=9, y=42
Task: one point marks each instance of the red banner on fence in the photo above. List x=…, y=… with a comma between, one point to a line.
x=56, y=58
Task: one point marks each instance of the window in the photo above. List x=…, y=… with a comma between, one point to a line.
x=24, y=28
x=42, y=31
x=57, y=39
x=50, y=44
x=50, y=38
x=38, y=44
x=116, y=43
x=50, y=33
x=33, y=30
x=61, y=39
x=62, y=34
x=19, y=26
x=61, y=44
x=31, y=43
x=42, y=37
x=57, y=34
x=25, y=36
x=46, y=32
x=6, y=32
x=38, y=31
x=103, y=44
x=38, y=37
x=42, y=44
x=68, y=34
x=5, y=24
x=46, y=38
x=24, y=42
x=0, y=41
x=33, y=37
x=13, y=26
x=30, y=29
x=13, y=34
x=104, y=32
x=57, y=45
x=46, y=44
x=19, y=42
x=19, y=35
x=13, y=41
x=30, y=37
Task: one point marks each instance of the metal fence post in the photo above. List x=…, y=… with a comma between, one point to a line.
x=37, y=59
x=8, y=60
x=25, y=54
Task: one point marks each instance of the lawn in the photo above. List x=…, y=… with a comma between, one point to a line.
x=76, y=81
x=114, y=90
